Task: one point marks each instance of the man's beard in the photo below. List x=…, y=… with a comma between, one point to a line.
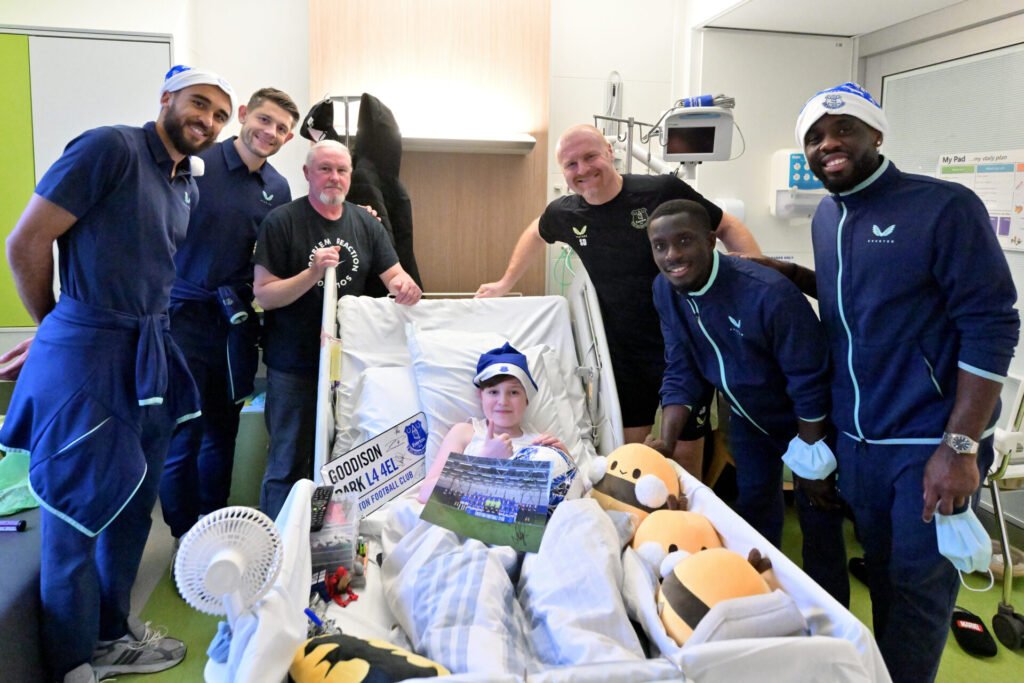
x=175, y=130
x=332, y=199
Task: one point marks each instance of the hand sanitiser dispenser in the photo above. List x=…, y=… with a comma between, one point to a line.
x=795, y=191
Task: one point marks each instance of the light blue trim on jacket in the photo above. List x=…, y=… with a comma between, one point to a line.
x=77, y=526
x=7, y=449
x=924, y=441
x=736, y=405
x=83, y=436
x=846, y=325
x=981, y=373
x=189, y=416
x=913, y=442
x=867, y=181
x=711, y=278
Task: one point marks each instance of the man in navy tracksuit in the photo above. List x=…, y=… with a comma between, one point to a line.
x=749, y=331
x=918, y=305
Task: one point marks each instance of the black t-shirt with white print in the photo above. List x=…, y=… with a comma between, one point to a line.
x=287, y=239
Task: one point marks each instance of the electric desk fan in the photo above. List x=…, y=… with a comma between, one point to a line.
x=228, y=561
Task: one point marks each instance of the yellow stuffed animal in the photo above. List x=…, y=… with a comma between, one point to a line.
x=637, y=479
x=666, y=536
x=701, y=581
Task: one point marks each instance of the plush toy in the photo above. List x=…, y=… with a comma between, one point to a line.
x=636, y=479
x=701, y=581
x=667, y=536
x=338, y=658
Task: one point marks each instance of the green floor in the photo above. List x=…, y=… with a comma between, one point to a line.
x=957, y=666
x=167, y=609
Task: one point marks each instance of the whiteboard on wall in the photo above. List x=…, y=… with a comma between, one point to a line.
x=80, y=83
x=972, y=103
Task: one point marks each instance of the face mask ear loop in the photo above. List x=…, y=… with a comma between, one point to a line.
x=991, y=582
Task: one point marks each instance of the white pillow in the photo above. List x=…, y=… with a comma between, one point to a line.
x=551, y=410
x=385, y=397
x=444, y=362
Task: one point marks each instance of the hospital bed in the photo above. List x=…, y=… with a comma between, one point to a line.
x=391, y=361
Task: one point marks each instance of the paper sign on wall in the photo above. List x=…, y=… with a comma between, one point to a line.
x=998, y=179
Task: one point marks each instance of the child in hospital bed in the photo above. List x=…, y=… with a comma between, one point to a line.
x=488, y=609
x=505, y=386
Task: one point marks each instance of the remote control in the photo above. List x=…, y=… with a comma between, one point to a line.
x=321, y=497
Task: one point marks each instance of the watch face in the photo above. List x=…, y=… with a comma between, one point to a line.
x=961, y=443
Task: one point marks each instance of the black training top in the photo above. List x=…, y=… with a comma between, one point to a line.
x=611, y=241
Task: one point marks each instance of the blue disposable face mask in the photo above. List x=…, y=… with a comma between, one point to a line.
x=964, y=542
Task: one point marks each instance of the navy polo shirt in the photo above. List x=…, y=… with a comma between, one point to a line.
x=222, y=233
x=218, y=251
x=119, y=254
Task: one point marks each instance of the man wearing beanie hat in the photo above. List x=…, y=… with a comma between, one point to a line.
x=104, y=383
x=918, y=303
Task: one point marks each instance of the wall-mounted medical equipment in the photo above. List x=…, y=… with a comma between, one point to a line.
x=693, y=130
x=794, y=191
x=694, y=134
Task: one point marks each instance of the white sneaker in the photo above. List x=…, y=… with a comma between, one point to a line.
x=83, y=673
x=142, y=650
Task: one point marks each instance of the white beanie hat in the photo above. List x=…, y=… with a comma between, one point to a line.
x=181, y=77
x=847, y=98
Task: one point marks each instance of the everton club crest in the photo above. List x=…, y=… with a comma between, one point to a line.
x=417, y=436
x=639, y=218
x=833, y=101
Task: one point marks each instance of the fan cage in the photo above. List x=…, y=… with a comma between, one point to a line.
x=242, y=529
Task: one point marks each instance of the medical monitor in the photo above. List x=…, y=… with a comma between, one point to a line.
x=697, y=134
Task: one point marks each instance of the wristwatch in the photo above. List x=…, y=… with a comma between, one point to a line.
x=961, y=443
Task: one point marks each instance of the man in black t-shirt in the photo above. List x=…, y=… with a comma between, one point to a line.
x=605, y=223
x=297, y=243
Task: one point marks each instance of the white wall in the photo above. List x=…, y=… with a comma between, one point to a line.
x=592, y=38
x=589, y=40
x=134, y=16
x=771, y=75
x=254, y=44
x=661, y=57
x=228, y=36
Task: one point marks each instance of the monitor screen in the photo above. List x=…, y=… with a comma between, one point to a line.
x=691, y=140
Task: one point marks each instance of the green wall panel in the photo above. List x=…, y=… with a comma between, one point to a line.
x=17, y=167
